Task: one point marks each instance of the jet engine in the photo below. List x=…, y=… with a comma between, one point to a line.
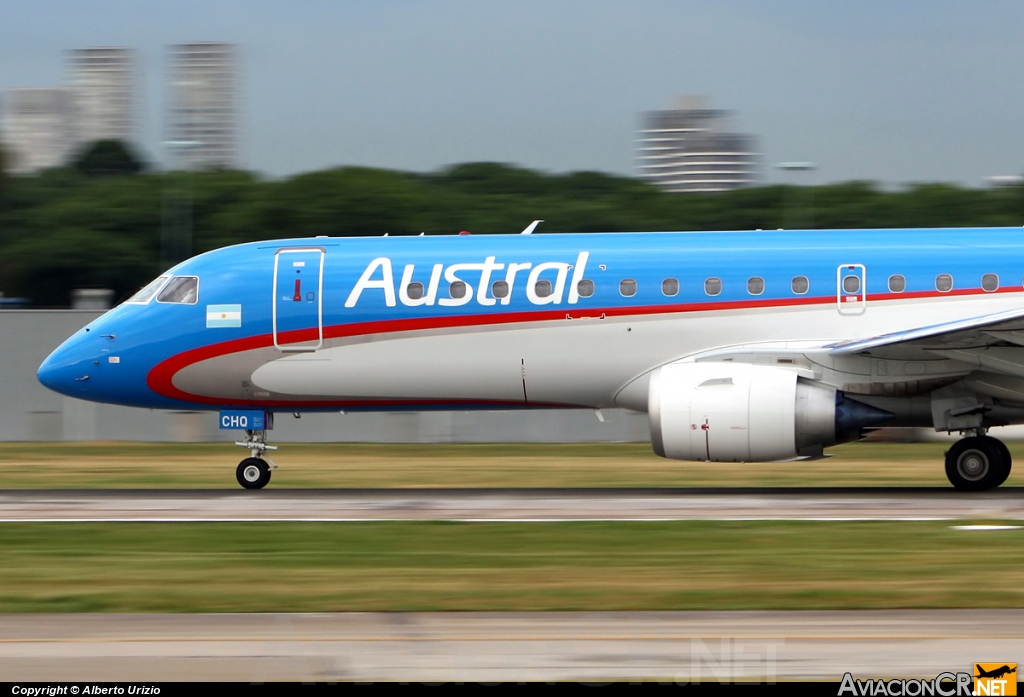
x=736, y=412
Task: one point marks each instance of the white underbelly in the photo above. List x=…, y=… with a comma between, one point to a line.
x=582, y=362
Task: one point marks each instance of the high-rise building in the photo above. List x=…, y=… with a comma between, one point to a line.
x=202, y=120
x=37, y=130
x=103, y=89
x=685, y=149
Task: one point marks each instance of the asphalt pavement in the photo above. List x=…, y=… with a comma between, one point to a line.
x=683, y=647
x=881, y=503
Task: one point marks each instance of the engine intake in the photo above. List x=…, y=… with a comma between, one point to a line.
x=736, y=412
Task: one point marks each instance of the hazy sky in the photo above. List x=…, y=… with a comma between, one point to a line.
x=902, y=91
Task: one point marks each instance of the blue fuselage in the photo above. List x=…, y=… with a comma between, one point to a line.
x=459, y=322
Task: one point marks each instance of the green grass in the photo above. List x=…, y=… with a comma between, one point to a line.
x=254, y=567
x=212, y=465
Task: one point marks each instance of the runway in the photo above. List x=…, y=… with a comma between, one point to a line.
x=512, y=505
x=685, y=647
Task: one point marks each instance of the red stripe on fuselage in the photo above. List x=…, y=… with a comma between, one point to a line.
x=160, y=378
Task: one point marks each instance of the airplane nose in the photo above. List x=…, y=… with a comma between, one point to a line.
x=51, y=372
x=65, y=372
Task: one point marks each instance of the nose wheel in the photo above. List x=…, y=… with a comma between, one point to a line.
x=978, y=463
x=253, y=473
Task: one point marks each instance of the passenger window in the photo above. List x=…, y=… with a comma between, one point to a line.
x=457, y=290
x=585, y=288
x=542, y=288
x=148, y=291
x=943, y=283
x=181, y=290
x=414, y=290
x=851, y=284
x=800, y=285
x=499, y=289
x=990, y=282
x=670, y=287
x=897, y=283
x=713, y=286
x=627, y=287
x=755, y=285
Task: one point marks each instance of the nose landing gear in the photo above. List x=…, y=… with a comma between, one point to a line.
x=254, y=471
x=978, y=463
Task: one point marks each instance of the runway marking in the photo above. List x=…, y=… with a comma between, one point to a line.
x=986, y=527
x=624, y=637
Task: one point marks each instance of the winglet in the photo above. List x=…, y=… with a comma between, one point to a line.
x=531, y=227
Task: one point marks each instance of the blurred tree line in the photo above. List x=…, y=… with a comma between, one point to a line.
x=97, y=223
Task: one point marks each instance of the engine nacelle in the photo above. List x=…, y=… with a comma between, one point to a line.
x=736, y=412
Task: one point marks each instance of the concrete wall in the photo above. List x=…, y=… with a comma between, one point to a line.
x=30, y=412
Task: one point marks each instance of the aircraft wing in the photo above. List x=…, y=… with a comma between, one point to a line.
x=994, y=341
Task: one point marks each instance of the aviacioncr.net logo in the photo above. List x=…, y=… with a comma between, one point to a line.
x=943, y=685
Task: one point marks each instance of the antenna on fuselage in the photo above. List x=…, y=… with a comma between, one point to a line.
x=531, y=227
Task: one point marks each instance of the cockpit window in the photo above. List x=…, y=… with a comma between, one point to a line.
x=183, y=290
x=148, y=291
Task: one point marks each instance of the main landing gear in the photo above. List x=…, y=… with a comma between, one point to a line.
x=254, y=471
x=978, y=463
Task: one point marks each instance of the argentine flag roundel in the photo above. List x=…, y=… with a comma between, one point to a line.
x=223, y=316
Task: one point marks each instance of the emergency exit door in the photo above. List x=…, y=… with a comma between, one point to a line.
x=298, y=299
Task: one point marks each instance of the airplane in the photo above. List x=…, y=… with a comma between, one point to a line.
x=995, y=673
x=744, y=346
